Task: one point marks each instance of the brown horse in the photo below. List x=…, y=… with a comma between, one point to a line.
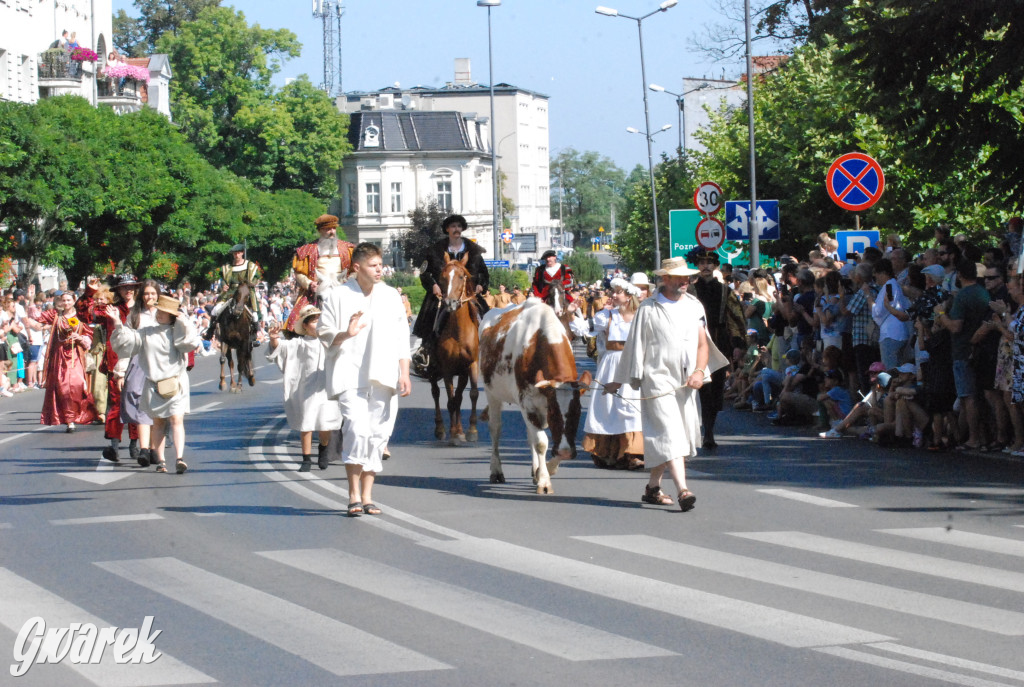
x=560, y=304
x=235, y=324
x=458, y=344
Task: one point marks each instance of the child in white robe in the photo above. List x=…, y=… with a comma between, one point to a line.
x=306, y=404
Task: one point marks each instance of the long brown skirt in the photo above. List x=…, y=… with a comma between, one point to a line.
x=616, y=451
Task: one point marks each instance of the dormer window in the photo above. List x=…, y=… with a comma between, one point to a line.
x=371, y=137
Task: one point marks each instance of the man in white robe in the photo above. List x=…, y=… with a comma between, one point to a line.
x=364, y=328
x=666, y=357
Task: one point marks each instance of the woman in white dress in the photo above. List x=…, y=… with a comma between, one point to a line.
x=163, y=350
x=306, y=404
x=613, y=435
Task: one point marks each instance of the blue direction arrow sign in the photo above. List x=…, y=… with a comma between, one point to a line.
x=737, y=220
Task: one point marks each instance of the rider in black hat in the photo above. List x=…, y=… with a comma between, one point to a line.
x=432, y=317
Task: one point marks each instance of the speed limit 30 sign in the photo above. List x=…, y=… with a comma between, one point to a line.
x=708, y=198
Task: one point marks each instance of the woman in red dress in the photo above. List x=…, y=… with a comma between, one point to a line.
x=67, y=400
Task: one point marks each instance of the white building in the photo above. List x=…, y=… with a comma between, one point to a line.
x=27, y=72
x=401, y=159
x=522, y=140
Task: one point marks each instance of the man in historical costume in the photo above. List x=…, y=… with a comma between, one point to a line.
x=319, y=266
x=726, y=327
x=432, y=317
x=550, y=271
x=364, y=328
x=114, y=367
x=233, y=274
x=666, y=357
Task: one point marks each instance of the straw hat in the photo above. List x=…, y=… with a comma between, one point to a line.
x=305, y=313
x=675, y=267
x=168, y=305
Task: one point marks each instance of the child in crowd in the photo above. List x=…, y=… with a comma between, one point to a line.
x=306, y=404
x=868, y=412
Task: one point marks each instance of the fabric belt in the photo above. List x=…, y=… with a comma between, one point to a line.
x=615, y=345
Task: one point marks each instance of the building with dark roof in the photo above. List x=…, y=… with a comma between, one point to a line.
x=401, y=159
x=522, y=140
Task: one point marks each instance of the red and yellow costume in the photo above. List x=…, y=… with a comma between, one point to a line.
x=67, y=397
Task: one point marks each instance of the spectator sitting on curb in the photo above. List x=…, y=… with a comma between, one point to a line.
x=835, y=400
x=866, y=413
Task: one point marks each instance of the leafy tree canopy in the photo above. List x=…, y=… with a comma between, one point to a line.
x=138, y=36
x=588, y=183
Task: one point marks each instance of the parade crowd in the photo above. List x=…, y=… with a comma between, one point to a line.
x=924, y=350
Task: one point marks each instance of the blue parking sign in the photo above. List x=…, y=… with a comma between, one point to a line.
x=737, y=220
x=856, y=241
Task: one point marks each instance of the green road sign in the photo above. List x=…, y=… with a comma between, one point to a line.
x=683, y=238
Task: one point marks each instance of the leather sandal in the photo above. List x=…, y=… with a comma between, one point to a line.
x=161, y=466
x=655, y=496
x=686, y=500
x=180, y=466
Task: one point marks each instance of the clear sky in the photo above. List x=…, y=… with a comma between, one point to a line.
x=587, y=63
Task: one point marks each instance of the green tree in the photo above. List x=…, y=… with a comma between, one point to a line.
x=223, y=99
x=634, y=241
x=588, y=183
x=138, y=36
x=425, y=231
x=585, y=267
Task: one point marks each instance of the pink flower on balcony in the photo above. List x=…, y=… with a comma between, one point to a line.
x=84, y=55
x=128, y=71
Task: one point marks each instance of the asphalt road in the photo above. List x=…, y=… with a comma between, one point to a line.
x=805, y=562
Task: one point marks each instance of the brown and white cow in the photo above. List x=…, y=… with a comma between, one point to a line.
x=526, y=360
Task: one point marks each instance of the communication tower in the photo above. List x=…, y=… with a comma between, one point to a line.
x=330, y=11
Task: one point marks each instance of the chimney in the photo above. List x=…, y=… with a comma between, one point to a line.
x=462, y=73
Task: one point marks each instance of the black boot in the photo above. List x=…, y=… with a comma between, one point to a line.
x=145, y=457
x=322, y=460
x=254, y=340
x=133, y=449
x=110, y=452
x=307, y=463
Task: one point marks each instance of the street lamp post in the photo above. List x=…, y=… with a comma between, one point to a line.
x=494, y=148
x=681, y=102
x=609, y=12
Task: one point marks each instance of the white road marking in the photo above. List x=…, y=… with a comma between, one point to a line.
x=208, y=406
x=968, y=540
x=95, y=477
x=199, y=384
x=24, y=600
x=949, y=660
x=208, y=515
x=911, y=668
x=755, y=620
x=24, y=434
x=6, y=526
x=868, y=593
x=279, y=380
x=101, y=519
x=346, y=649
x=541, y=631
x=807, y=498
x=892, y=558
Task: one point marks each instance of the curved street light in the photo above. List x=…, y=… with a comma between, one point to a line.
x=609, y=12
x=681, y=102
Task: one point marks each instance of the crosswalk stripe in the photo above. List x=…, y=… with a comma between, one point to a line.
x=949, y=660
x=968, y=540
x=807, y=498
x=101, y=519
x=868, y=593
x=542, y=631
x=911, y=668
x=24, y=600
x=273, y=620
x=755, y=620
x=892, y=558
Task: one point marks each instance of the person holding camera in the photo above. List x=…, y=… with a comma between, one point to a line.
x=889, y=312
